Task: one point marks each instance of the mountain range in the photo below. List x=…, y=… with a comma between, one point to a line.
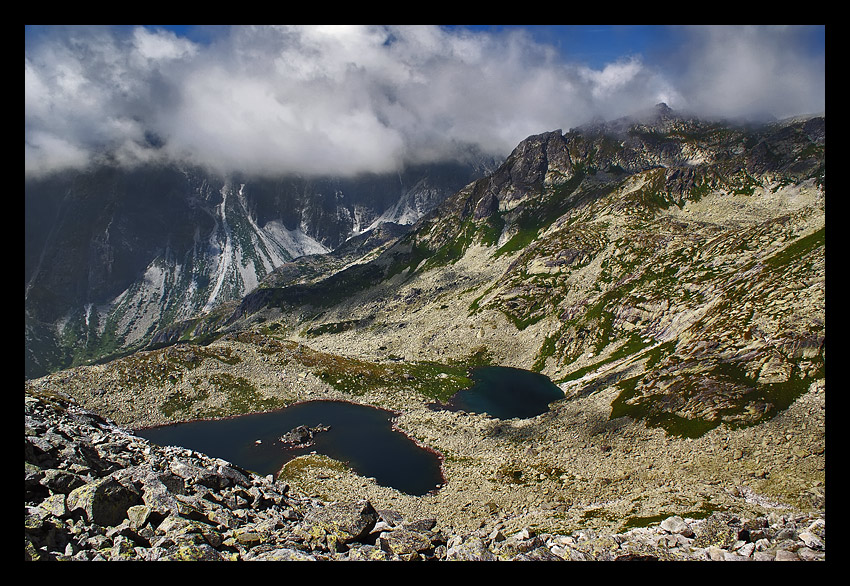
x=668, y=273
x=680, y=258
x=114, y=254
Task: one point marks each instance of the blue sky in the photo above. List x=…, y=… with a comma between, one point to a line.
x=593, y=45
x=270, y=99
x=597, y=45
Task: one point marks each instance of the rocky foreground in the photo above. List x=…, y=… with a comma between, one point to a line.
x=93, y=491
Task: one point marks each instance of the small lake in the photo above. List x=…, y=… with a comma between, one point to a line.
x=358, y=435
x=505, y=393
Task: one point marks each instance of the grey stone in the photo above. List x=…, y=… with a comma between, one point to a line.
x=61, y=481
x=138, y=516
x=54, y=506
x=283, y=555
x=403, y=541
x=166, y=505
x=786, y=556
x=677, y=525
x=811, y=540
x=471, y=549
x=103, y=501
x=346, y=521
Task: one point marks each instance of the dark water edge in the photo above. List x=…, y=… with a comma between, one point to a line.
x=361, y=436
x=506, y=393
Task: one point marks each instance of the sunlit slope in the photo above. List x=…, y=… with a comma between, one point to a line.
x=680, y=261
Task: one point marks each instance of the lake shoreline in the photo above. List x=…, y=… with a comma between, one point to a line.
x=572, y=467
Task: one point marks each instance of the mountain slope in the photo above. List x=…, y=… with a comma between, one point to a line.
x=667, y=273
x=113, y=255
x=682, y=260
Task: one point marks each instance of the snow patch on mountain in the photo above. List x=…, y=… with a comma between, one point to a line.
x=295, y=242
x=226, y=254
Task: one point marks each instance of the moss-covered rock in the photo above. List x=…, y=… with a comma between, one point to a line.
x=104, y=501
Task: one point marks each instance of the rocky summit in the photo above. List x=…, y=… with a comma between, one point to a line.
x=666, y=273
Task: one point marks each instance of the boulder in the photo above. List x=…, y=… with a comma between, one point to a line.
x=469, y=549
x=104, y=501
x=404, y=541
x=346, y=522
x=283, y=554
x=677, y=525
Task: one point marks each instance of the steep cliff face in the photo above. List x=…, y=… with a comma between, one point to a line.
x=112, y=255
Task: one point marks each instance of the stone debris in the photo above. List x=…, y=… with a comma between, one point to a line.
x=96, y=492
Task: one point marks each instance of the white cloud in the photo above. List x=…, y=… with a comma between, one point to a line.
x=750, y=70
x=155, y=46
x=343, y=99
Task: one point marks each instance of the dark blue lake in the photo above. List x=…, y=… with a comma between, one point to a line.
x=506, y=393
x=358, y=435
x=361, y=436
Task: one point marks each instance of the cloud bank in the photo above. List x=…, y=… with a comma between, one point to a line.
x=347, y=99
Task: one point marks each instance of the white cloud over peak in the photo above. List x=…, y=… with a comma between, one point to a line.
x=346, y=99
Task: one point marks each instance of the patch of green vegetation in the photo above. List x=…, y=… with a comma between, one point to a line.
x=777, y=396
x=771, y=399
x=410, y=260
x=178, y=402
x=480, y=356
x=812, y=150
x=349, y=375
x=650, y=410
x=640, y=522
x=474, y=307
x=797, y=249
x=160, y=367
x=547, y=350
x=490, y=230
x=310, y=465
x=541, y=212
x=81, y=343
x=599, y=318
x=655, y=355
x=438, y=381
x=743, y=183
x=242, y=396
x=599, y=513
x=332, y=328
x=272, y=329
x=705, y=511
x=525, y=319
x=634, y=345
x=523, y=237
x=191, y=356
x=324, y=293
x=699, y=191
x=357, y=377
x=343, y=284
x=454, y=249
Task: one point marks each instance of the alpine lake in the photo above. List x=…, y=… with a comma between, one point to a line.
x=361, y=436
